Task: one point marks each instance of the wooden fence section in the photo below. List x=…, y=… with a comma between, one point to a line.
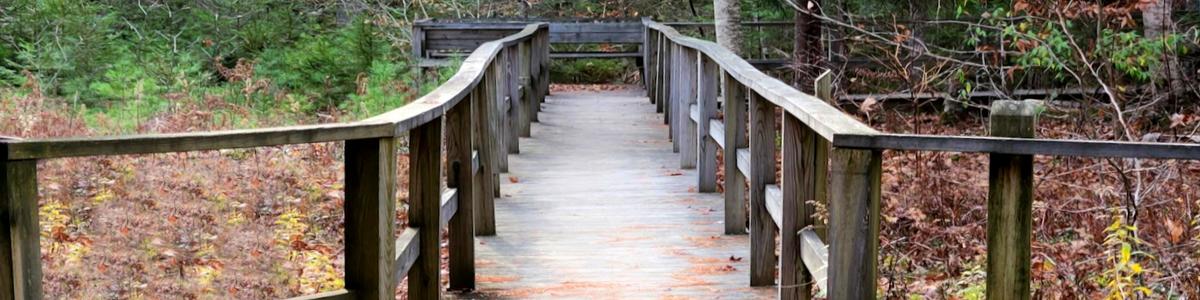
x=831, y=159
x=477, y=114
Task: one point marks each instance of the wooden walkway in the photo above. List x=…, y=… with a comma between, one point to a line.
x=596, y=207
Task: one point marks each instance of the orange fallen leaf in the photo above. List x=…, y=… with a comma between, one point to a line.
x=513, y=179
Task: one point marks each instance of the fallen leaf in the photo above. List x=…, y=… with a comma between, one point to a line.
x=734, y=258
x=513, y=179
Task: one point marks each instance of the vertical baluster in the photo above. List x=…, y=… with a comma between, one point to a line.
x=762, y=173
x=370, y=208
x=461, y=176
x=500, y=92
x=665, y=94
x=484, y=100
x=425, y=199
x=706, y=89
x=1010, y=204
x=525, y=93
x=512, y=86
x=735, y=138
x=687, y=97
x=673, y=96
x=20, y=248
x=545, y=40
x=853, y=223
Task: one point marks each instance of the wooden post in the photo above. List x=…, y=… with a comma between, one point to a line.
x=459, y=139
x=1010, y=204
x=853, y=223
x=526, y=90
x=424, y=202
x=706, y=91
x=645, y=49
x=735, y=138
x=20, y=248
x=512, y=87
x=687, y=96
x=499, y=92
x=805, y=164
x=762, y=173
x=545, y=40
x=663, y=75
x=673, y=97
x=370, y=210
x=668, y=59
x=484, y=109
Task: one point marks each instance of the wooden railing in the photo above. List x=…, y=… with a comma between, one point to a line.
x=478, y=113
x=831, y=159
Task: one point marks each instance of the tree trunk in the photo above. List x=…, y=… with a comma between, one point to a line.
x=1156, y=23
x=728, y=22
x=807, y=54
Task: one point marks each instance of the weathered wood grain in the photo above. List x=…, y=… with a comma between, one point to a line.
x=408, y=248
x=853, y=223
x=588, y=224
x=484, y=110
x=1010, y=204
x=774, y=204
x=20, y=249
x=735, y=138
x=460, y=178
x=816, y=257
x=707, y=88
x=688, y=140
x=448, y=207
x=716, y=129
x=762, y=173
x=370, y=208
x=425, y=195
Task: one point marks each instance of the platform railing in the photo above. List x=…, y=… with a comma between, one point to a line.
x=476, y=116
x=831, y=160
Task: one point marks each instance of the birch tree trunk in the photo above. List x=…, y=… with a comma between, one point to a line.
x=728, y=22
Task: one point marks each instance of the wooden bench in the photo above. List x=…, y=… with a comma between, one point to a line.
x=437, y=42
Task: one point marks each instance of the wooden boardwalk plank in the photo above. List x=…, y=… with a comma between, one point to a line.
x=597, y=208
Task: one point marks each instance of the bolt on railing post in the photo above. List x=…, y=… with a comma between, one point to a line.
x=762, y=173
x=461, y=176
x=20, y=248
x=425, y=195
x=735, y=138
x=1010, y=204
x=706, y=90
x=370, y=212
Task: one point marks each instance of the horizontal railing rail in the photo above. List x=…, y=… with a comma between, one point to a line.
x=477, y=115
x=834, y=160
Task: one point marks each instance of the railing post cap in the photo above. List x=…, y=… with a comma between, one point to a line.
x=1026, y=107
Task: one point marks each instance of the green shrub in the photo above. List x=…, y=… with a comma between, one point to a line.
x=590, y=70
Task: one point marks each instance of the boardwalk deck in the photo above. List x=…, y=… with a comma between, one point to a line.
x=597, y=208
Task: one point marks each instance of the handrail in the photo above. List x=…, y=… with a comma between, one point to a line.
x=391, y=123
x=826, y=120
x=833, y=159
x=477, y=114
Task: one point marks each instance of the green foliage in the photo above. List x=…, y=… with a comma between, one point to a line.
x=1135, y=55
x=589, y=70
x=327, y=67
